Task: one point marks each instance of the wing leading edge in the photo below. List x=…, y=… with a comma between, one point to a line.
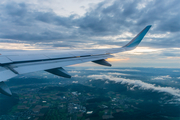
x=52, y=62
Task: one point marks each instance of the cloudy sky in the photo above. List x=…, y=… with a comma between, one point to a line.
x=87, y=24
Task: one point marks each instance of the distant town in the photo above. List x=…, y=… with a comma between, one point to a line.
x=64, y=102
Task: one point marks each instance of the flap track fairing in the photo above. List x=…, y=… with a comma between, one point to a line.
x=102, y=62
x=59, y=72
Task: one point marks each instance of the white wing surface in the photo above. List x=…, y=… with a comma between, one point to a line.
x=15, y=64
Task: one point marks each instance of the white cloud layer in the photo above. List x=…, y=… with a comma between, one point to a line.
x=162, y=77
x=74, y=71
x=138, y=83
x=113, y=69
x=115, y=73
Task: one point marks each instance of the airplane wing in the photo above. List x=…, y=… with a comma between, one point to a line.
x=53, y=62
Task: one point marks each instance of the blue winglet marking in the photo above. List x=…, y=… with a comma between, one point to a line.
x=135, y=41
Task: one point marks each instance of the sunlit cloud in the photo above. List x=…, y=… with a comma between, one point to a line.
x=143, y=50
x=116, y=59
x=173, y=57
x=18, y=46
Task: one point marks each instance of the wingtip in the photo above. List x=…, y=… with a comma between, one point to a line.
x=69, y=77
x=149, y=26
x=136, y=40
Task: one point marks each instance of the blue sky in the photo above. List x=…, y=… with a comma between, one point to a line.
x=87, y=24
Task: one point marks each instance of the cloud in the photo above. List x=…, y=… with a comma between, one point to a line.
x=138, y=83
x=74, y=71
x=93, y=69
x=74, y=81
x=115, y=59
x=106, y=23
x=115, y=73
x=107, y=18
x=162, y=77
x=76, y=76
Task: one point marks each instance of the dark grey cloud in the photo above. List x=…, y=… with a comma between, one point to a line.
x=52, y=18
x=44, y=35
x=18, y=21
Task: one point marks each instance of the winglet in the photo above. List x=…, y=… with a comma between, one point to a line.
x=136, y=40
